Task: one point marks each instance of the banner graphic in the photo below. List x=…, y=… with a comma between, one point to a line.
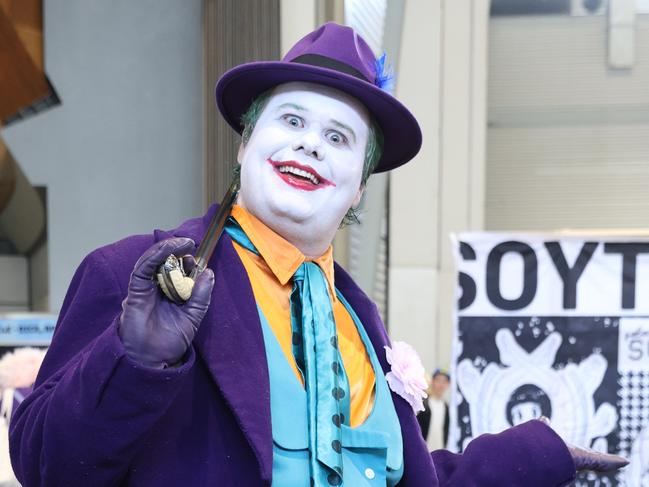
x=555, y=326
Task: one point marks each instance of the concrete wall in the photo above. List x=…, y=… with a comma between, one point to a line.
x=297, y=19
x=568, y=135
x=442, y=79
x=14, y=291
x=122, y=154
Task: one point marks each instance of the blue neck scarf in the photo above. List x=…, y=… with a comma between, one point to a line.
x=315, y=347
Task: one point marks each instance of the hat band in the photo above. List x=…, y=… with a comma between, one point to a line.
x=326, y=62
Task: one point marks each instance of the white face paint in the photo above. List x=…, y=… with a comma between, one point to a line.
x=301, y=169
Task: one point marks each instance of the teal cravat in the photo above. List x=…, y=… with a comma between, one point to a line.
x=315, y=347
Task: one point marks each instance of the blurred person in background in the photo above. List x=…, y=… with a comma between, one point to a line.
x=434, y=419
x=18, y=370
x=277, y=368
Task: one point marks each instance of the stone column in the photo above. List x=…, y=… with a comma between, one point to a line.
x=442, y=79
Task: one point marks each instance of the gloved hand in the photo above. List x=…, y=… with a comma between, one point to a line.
x=587, y=459
x=155, y=331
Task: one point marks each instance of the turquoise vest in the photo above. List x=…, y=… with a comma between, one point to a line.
x=372, y=452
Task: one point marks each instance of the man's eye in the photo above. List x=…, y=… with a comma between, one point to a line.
x=293, y=121
x=336, y=138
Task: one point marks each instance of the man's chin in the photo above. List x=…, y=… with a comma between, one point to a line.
x=282, y=215
x=291, y=218
x=288, y=216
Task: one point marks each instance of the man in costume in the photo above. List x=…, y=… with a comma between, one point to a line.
x=275, y=370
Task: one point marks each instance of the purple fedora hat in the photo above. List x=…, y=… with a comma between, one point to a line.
x=332, y=55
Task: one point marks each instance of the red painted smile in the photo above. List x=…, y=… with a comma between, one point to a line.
x=299, y=176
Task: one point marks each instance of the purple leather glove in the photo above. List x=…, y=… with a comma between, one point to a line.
x=587, y=459
x=155, y=331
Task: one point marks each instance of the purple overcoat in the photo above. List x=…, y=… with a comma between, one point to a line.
x=96, y=418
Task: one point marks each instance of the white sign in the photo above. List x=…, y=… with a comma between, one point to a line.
x=559, y=327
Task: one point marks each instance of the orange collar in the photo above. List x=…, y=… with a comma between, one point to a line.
x=282, y=257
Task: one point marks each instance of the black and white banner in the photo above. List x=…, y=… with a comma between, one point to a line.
x=555, y=326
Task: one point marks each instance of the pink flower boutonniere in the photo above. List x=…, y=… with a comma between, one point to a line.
x=408, y=376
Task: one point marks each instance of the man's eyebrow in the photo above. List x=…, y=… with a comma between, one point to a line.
x=345, y=127
x=295, y=106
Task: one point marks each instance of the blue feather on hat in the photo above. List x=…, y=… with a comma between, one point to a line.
x=384, y=74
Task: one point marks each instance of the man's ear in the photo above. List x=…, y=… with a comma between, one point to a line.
x=240, y=152
x=359, y=195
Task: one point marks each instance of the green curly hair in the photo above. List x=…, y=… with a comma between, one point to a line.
x=373, y=150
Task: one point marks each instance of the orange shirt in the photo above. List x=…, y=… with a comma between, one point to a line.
x=270, y=275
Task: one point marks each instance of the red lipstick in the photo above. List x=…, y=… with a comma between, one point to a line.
x=308, y=180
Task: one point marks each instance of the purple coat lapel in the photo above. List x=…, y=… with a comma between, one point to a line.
x=231, y=345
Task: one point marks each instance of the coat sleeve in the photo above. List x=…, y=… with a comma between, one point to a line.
x=530, y=455
x=92, y=405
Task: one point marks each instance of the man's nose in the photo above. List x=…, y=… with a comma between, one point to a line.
x=311, y=143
